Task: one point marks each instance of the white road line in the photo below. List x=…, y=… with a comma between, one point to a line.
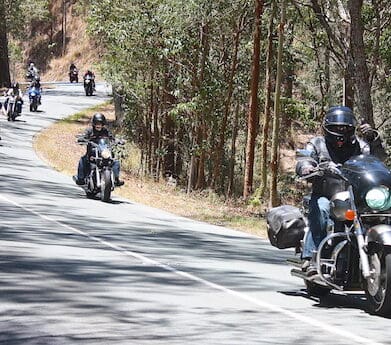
x=259, y=303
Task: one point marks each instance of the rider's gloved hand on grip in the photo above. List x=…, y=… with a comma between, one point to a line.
x=306, y=170
x=368, y=133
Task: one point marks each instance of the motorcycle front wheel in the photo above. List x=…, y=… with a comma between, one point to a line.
x=378, y=285
x=105, y=187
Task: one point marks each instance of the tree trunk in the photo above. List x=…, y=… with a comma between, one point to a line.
x=231, y=166
x=274, y=198
x=357, y=47
x=220, y=146
x=348, y=87
x=4, y=59
x=118, y=100
x=268, y=88
x=253, y=117
x=202, y=135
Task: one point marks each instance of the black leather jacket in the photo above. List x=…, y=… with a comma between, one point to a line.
x=322, y=151
x=94, y=135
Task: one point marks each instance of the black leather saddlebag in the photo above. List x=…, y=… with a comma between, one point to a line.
x=285, y=226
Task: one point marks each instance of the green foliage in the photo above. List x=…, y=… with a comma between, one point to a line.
x=19, y=14
x=299, y=111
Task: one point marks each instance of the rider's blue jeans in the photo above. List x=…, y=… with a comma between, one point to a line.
x=318, y=221
x=83, y=168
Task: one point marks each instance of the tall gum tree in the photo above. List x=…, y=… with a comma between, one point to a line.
x=4, y=61
x=253, y=116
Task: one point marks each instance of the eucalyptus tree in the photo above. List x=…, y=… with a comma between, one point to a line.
x=253, y=116
x=16, y=15
x=173, y=61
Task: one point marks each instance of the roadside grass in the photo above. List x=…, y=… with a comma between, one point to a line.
x=57, y=146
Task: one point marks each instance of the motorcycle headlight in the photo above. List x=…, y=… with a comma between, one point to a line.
x=378, y=198
x=106, y=154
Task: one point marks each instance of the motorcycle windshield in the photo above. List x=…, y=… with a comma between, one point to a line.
x=365, y=172
x=103, y=143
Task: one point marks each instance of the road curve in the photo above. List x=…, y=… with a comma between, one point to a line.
x=79, y=271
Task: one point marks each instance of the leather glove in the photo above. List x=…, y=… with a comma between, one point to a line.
x=306, y=170
x=368, y=133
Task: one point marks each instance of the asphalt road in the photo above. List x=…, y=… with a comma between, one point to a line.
x=79, y=271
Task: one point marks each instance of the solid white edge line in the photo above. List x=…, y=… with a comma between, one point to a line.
x=146, y=260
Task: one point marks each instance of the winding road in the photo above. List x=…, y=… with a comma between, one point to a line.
x=80, y=271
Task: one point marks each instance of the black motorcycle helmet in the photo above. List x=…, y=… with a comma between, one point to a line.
x=339, y=126
x=98, y=118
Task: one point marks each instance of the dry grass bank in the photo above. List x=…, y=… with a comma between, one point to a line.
x=50, y=144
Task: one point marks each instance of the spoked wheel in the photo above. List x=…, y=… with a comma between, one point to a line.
x=316, y=290
x=378, y=285
x=105, y=188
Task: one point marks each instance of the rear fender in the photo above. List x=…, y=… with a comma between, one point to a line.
x=379, y=239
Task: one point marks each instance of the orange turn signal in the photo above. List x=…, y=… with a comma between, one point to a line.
x=350, y=215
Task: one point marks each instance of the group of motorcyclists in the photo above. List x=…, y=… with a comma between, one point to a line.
x=97, y=131
x=34, y=92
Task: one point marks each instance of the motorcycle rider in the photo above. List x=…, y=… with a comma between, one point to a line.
x=96, y=132
x=37, y=84
x=90, y=74
x=32, y=71
x=338, y=143
x=14, y=91
x=73, y=69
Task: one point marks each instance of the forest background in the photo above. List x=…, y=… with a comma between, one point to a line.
x=214, y=94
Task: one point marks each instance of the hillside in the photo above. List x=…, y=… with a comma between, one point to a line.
x=45, y=45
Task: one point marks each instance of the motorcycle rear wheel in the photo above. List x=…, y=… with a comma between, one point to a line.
x=105, y=188
x=378, y=285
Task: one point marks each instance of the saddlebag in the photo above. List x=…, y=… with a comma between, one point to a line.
x=285, y=226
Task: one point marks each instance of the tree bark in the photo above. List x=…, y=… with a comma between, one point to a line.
x=253, y=117
x=268, y=100
x=5, y=79
x=348, y=87
x=362, y=82
x=231, y=165
x=274, y=198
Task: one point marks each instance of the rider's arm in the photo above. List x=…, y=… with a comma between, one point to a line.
x=305, y=164
x=85, y=136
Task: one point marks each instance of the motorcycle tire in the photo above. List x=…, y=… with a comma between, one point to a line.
x=316, y=290
x=378, y=286
x=105, y=188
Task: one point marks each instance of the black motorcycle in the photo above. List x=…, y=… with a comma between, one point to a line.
x=356, y=253
x=100, y=179
x=88, y=85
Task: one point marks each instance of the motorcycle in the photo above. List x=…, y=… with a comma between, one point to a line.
x=88, y=85
x=101, y=177
x=356, y=253
x=34, y=95
x=13, y=107
x=74, y=75
x=32, y=74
